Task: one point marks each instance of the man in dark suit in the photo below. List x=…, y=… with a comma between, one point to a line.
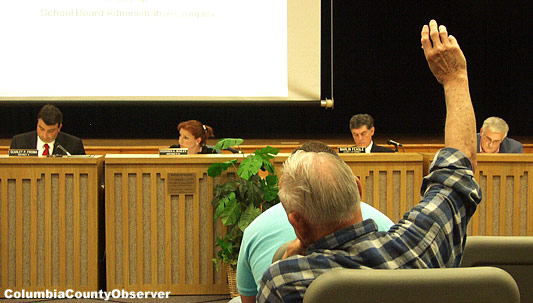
x=362, y=128
x=48, y=139
x=492, y=138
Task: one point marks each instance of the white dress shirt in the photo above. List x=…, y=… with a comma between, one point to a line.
x=40, y=146
x=369, y=147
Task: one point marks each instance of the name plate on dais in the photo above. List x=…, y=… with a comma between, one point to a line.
x=23, y=152
x=173, y=151
x=181, y=183
x=351, y=150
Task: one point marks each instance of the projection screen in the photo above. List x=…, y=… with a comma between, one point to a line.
x=160, y=50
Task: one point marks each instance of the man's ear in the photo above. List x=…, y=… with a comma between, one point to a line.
x=359, y=187
x=481, y=131
x=372, y=130
x=59, y=127
x=301, y=227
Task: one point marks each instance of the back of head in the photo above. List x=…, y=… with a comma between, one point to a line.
x=316, y=147
x=320, y=187
x=197, y=129
x=50, y=115
x=496, y=124
x=360, y=120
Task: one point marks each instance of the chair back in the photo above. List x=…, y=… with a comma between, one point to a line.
x=280, y=252
x=510, y=253
x=437, y=285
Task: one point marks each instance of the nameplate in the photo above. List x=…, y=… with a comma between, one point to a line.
x=23, y=152
x=351, y=150
x=173, y=151
x=181, y=183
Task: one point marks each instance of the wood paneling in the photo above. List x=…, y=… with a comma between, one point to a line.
x=157, y=239
x=49, y=223
x=506, y=182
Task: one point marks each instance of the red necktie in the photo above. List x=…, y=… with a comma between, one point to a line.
x=46, y=151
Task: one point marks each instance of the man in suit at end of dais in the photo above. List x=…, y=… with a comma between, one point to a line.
x=492, y=138
x=48, y=138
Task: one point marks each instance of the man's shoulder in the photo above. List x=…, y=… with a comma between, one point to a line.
x=369, y=212
x=380, y=149
x=29, y=134
x=71, y=143
x=67, y=136
x=273, y=221
x=275, y=212
x=510, y=145
x=288, y=279
x=24, y=140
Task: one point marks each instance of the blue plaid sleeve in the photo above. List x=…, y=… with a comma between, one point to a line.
x=432, y=234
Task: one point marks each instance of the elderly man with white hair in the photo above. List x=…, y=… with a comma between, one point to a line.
x=492, y=138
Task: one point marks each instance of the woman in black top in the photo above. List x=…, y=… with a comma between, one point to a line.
x=193, y=135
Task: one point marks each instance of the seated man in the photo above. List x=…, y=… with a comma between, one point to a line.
x=48, y=139
x=320, y=196
x=271, y=229
x=492, y=138
x=362, y=128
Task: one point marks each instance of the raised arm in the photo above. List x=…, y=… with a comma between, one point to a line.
x=448, y=64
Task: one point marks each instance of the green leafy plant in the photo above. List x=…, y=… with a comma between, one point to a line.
x=238, y=202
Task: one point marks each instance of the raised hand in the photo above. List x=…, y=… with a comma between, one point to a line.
x=443, y=54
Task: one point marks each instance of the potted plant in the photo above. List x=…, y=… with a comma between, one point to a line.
x=238, y=202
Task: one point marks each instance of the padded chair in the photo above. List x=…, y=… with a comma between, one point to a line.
x=280, y=252
x=512, y=254
x=446, y=285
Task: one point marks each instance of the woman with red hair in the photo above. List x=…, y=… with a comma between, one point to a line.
x=193, y=136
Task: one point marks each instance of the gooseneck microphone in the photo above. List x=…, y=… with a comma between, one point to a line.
x=392, y=142
x=63, y=149
x=396, y=144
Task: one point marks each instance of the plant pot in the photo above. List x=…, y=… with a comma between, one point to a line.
x=232, y=281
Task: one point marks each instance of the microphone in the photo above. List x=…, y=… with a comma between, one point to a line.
x=396, y=144
x=392, y=142
x=63, y=149
x=233, y=150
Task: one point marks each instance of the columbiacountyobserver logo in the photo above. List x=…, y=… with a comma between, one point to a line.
x=72, y=294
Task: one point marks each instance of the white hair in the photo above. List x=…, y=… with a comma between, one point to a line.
x=496, y=124
x=320, y=187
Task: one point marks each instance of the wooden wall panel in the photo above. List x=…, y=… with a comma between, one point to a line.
x=506, y=181
x=49, y=223
x=158, y=239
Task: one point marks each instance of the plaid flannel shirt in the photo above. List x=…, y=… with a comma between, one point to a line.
x=430, y=235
